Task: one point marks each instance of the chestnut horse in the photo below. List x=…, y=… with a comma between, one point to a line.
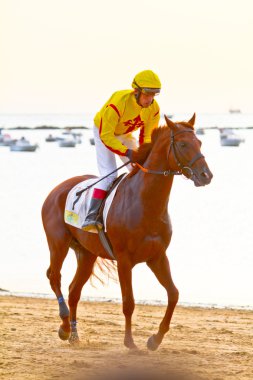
x=138, y=226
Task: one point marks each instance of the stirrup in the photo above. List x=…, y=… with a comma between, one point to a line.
x=91, y=224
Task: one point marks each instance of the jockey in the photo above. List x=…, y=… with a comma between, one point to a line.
x=125, y=112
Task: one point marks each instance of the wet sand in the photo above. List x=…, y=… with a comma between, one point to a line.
x=211, y=343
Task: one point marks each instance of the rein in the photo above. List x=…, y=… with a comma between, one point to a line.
x=79, y=193
x=150, y=171
x=172, y=148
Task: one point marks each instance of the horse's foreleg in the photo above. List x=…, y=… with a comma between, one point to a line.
x=125, y=278
x=85, y=263
x=161, y=269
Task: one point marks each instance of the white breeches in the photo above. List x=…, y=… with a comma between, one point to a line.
x=106, y=160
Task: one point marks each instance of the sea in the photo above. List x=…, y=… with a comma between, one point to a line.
x=211, y=252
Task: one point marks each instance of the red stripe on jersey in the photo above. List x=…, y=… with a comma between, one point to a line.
x=115, y=150
x=141, y=136
x=110, y=148
x=100, y=127
x=115, y=108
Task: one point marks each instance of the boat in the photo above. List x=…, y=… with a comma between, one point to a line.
x=92, y=141
x=67, y=143
x=234, y=110
x=23, y=145
x=200, y=131
x=76, y=136
x=6, y=140
x=50, y=138
x=229, y=138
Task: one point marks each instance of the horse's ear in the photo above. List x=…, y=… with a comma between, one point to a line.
x=169, y=123
x=192, y=120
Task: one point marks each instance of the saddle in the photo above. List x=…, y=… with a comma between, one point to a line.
x=77, y=206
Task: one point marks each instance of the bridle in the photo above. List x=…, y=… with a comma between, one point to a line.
x=188, y=166
x=173, y=148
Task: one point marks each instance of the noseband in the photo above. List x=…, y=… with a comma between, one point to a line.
x=182, y=167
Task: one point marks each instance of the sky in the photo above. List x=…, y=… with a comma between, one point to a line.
x=69, y=56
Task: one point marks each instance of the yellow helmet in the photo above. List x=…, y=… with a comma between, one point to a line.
x=147, y=81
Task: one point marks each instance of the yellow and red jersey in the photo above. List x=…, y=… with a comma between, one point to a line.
x=120, y=115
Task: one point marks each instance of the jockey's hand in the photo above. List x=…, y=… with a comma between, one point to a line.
x=132, y=155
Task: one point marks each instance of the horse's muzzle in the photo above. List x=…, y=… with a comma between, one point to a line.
x=203, y=177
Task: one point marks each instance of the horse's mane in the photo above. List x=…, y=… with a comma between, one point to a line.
x=145, y=149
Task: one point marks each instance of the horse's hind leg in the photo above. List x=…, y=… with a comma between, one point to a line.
x=161, y=269
x=59, y=246
x=85, y=263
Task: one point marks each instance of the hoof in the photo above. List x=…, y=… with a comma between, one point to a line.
x=132, y=347
x=63, y=335
x=151, y=343
x=130, y=344
x=74, y=338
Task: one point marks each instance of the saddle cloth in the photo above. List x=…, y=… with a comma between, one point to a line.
x=76, y=214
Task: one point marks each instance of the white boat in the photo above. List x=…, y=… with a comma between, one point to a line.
x=234, y=110
x=76, y=136
x=23, y=145
x=67, y=143
x=200, y=131
x=229, y=138
x=6, y=140
x=50, y=138
x=69, y=139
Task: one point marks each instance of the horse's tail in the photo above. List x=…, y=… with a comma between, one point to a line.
x=104, y=270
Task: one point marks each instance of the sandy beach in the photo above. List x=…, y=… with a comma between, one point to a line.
x=205, y=343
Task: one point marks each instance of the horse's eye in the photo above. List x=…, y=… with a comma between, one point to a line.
x=183, y=145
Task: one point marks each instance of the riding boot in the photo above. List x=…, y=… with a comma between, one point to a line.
x=91, y=219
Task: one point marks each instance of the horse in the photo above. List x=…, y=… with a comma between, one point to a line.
x=138, y=226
